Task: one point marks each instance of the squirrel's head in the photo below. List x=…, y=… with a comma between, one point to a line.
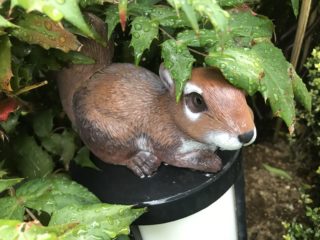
x=211, y=110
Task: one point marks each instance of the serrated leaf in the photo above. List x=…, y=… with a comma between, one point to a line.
x=205, y=38
x=4, y=23
x=239, y=67
x=210, y=8
x=11, y=209
x=43, y=123
x=12, y=230
x=7, y=183
x=300, y=90
x=5, y=63
x=31, y=160
x=57, y=10
x=246, y=28
x=295, y=6
x=277, y=172
x=264, y=69
x=112, y=18
x=188, y=10
x=83, y=158
x=53, y=193
x=37, y=29
x=102, y=220
x=143, y=31
x=178, y=60
x=74, y=57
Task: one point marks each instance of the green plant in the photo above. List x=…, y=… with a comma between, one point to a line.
x=40, y=37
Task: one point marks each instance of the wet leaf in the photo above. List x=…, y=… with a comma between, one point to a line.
x=262, y=68
x=178, y=60
x=299, y=89
x=247, y=28
x=56, y=10
x=188, y=10
x=5, y=64
x=7, y=183
x=11, y=209
x=112, y=18
x=104, y=221
x=277, y=172
x=13, y=229
x=211, y=9
x=83, y=159
x=43, y=123
x=45, y=194
x=205, y=38
x=32, y=161
x=37, y=29
x=85, y=3
x=143, y=31
x=74, y=57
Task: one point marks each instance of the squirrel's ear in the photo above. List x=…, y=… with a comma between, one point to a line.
x=166, y=79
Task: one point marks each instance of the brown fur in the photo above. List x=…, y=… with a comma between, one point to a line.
x=125, y=114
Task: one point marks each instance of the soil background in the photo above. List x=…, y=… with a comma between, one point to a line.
x=271, y=199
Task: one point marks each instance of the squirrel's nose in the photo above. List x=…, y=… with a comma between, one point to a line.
x=247, y=137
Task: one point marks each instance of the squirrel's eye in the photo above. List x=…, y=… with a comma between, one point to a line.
x=195, y=102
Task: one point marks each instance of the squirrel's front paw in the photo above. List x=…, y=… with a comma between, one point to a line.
x=143, y=163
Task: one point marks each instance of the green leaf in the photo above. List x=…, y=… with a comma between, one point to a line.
x=11, y=209
x=262, y=68
x=295, y=6
x=112, y=18
x=32, y=160
x=53, y=193
x=56, y=10
x=247, y=28
x=178, y=60
x=83, y=158
x=37, y=29
x=300, y=90
x=210, y=8
x=43, y=123
x=4, y=23
x=85, y=3
x=12, y=230
x=239, y=66
x=277, y=172
x=7, y=183
x=104, y=221
x=233, y=3
x=11, y=123
x=143, y=31
x=206, y=38
x=188, y=10
x=74, y=58
x=5, y=63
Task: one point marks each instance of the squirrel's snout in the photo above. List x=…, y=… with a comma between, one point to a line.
x=248, y=137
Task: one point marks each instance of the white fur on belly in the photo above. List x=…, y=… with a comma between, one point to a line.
x=190, y=145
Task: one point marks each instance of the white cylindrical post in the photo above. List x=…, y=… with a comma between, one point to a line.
x=218, y=221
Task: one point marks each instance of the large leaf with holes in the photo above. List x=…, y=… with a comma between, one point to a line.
x=37, y=29
x=104, y=221
x=266, y=71
x=57, y=10
x=143, y=31
x=5, y=63
x=178, y=60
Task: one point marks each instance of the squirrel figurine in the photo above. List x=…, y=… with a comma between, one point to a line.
x=127, y=115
